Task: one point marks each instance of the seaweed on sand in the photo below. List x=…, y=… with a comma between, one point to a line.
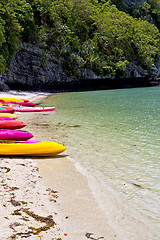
x=49, y=222
x=6, y=168
x=88, y=235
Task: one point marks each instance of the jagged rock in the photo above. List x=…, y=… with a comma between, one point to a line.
x=133, y=3
x=32, y=68
x=3, y=87
x=134, y=71
x=89, y=74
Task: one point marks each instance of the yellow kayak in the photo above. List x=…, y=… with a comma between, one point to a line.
x=11, y=99
x=8, y=115
x=31, y=148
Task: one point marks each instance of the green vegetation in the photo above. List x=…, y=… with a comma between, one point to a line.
x=98, y=35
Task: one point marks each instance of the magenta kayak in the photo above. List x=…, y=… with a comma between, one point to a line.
x=6, y=118
x=6, y=134
x=33, y=109
x=28, y=104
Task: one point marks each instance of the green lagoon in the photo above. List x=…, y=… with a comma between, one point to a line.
x=113, y=138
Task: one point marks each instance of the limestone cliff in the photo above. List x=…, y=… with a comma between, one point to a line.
x=32, y=68
x=3, y=87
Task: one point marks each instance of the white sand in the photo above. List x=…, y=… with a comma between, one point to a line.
x=25, y=202
x=31, y=96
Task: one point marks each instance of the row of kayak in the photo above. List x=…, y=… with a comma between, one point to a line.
x=17, y=142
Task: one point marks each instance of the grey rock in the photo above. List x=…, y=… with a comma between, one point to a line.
x=32, y=68
x=89, y=74
x=135, y=71
x=133, y=3
x=3, y=87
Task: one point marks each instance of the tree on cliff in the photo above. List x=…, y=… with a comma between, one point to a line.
x=82, y=34
x=16, y=23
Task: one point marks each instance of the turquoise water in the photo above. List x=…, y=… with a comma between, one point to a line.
x=114, y=137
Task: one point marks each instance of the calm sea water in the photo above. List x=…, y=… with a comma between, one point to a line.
x=113, y=137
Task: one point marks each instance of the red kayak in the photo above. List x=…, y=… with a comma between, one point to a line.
x=7, y=124
x=25, y=100
x=6, y=109
x=27, y=104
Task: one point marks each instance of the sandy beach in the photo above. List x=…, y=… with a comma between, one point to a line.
x=38, y=204
x=47, y=198
x=27, y=206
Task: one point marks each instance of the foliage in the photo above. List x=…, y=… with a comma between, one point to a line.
x=10, y=30
x=93, y=34
x=2, y=40
x=155, y=11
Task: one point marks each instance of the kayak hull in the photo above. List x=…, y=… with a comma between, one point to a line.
x=7, y=124
x=25, y=100
x=8, y=115
x=6, y=109
x=28, y=104
x=33, y=109
x=6, y=134
x=6, y=118
x=11, y=99
x=44, y=148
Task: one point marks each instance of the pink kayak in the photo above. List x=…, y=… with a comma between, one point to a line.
x=6, y=134
x=28, y=104
x=6, y=118
x=33, y=109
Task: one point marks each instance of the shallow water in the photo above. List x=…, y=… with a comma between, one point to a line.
x=113, y=137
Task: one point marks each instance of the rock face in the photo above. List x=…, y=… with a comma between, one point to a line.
x=34, y=69
x=3, y=87
x=134, y=71
x=132, y=3
x=31, y=68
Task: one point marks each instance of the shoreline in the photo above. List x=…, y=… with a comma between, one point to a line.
x=52, y=187
x=30, y=95
x=76, y=212
x=80, y=217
